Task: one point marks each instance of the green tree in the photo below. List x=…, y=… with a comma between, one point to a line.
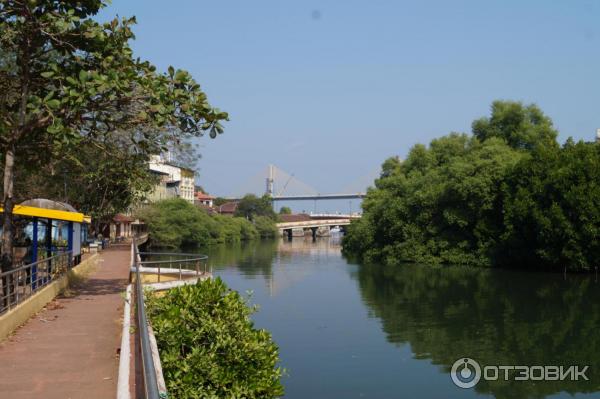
x=265, y=226
x=285, y=210
x=522, y=126
x=220, y=201
x=251, y=206
x=99, y=183
x=550, y=207
x=176, y=223
x=437, y=206
x=70, y=80
x=509, y=195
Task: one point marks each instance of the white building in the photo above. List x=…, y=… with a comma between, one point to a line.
x=180, y=179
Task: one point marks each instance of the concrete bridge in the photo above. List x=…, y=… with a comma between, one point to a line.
x=287, y=228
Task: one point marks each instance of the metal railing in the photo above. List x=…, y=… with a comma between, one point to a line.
x=176, y=261
x=22, y=282
x=148, y=370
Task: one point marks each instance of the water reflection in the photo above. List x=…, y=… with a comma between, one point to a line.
x=350, y=331
x=495, y=317
x=275, y=261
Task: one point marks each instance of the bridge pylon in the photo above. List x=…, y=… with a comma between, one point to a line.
x=270, y=181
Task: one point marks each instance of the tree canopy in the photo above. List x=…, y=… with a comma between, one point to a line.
x=285, y=210
x=507, y=195
x=251, y=206
x=71, y=87
x=176, y=223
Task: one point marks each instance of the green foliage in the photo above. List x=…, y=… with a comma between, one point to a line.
x=209, y=347
x=551, y=211
x=87, y=83
x=285, y=210
x=220, y=201
x=265, y=226
x=509, y=195
x=176, y=223
x=437, y=206
x=521, y=126
x=72, y=93
x=251, y=206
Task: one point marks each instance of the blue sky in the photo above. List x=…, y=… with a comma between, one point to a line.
x=327, y=89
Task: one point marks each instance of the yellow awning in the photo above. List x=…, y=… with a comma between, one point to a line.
x=32, y=211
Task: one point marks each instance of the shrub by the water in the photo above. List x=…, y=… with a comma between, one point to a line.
x=265, y=226
x=508, y=195
x=176, y=223
x=209, y=347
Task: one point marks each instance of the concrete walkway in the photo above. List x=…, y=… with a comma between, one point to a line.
x=69, y=350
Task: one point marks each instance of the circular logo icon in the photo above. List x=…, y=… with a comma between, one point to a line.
x=465, y=373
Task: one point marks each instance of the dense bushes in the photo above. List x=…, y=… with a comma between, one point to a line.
x=265, y=226
x=177, y=223
x=509, y=195
x=209, y=347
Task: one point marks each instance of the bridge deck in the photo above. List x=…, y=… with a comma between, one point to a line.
x=313, y=223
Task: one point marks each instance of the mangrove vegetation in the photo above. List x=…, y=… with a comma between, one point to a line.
x=507, y=195
x=176, y=223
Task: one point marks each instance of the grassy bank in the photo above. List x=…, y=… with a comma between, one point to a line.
x=176, y=223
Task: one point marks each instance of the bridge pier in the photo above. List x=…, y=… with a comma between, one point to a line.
x=289, y=233
x=314, y=233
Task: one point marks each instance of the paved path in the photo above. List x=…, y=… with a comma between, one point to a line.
x=69, y=350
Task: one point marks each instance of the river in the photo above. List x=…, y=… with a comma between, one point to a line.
x=351, y=331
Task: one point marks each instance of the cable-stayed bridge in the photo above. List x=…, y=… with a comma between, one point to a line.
x=282, y=186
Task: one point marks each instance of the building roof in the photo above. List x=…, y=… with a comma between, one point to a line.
x=228, y=207
x=201, y=196
x=120, y=218
x=49, y=204
x=210, y=210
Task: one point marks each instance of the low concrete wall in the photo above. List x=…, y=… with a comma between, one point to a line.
x=150, y=274
x=18, y=315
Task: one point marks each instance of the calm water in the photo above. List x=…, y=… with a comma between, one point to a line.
x=349, y=331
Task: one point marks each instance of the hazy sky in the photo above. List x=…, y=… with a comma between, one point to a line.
x=328, y=89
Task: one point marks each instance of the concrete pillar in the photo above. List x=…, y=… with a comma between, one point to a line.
x=314, y=233
x=290, y=234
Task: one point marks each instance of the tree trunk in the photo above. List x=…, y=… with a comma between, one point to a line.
x=7, y=216
x=7, y=229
